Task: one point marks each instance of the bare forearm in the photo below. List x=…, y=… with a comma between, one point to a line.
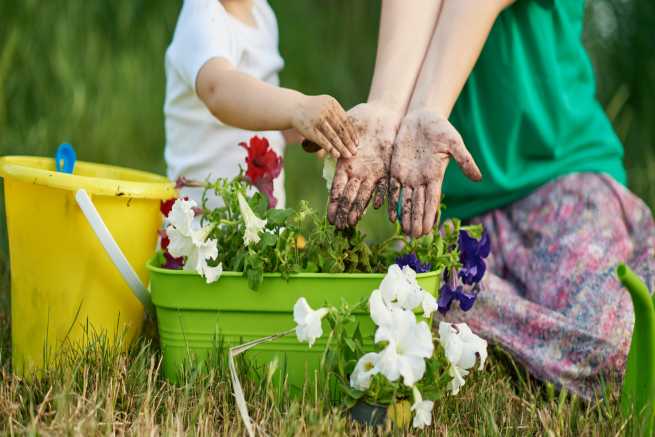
x=461, y=31
x=405, y=30
x=242, y=101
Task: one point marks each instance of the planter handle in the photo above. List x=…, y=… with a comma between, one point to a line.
x=111, y=247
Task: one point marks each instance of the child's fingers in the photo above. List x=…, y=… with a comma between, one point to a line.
x=342, y=125
x=325, y=144
x=327, y=130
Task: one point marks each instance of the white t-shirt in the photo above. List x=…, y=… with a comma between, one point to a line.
x=197, y=144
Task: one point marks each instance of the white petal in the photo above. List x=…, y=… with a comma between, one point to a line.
x=180, y=244
x=213, y=274
x=301, y=310
x=254, y=225
x=422, y=413
x=429, y=304
x=364, y=370
x=181, y=215
x=313, y=330
x=451, y=342
x=384, y=333
x=411, y=368
x=207, y=250
x=457, y=382
x=388, y=363
x=482, y=350
x=419, y=341
x=380, y=313
x=329, y=169
x=392, y=284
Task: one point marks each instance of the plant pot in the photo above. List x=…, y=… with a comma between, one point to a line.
x=367, y=414
x=194, y=316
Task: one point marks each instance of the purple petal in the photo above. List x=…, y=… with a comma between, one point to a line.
x=466, y=300
x=411, y=260
x=484, y=247
x=467, y=244
x=446, y=296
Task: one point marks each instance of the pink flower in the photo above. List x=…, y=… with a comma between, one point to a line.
x=263, y=166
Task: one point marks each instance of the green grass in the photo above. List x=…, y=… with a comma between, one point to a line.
x=103, y=390
x=91, y=73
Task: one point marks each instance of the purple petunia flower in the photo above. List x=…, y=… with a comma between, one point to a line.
x=451, y=291
x=173, y=263
x=471, y=254
x=447, y=295
x=412, y=261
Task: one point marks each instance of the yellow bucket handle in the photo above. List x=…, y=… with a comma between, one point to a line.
x=111, y=247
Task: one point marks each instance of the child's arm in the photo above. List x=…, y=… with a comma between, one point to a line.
x=242, y=101
x=426, y=140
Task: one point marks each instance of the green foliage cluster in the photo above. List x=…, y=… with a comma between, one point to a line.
x=303, y=241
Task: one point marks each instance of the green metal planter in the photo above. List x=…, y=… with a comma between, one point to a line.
x=194, y=317
x=638, y=394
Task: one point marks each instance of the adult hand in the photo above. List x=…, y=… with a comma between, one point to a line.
x=424, y=145
x=359, y=177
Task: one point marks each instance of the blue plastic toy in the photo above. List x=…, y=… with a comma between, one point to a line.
x=65, y=158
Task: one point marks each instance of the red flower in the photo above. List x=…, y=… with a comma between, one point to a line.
x=165, y=206
x=264, y=165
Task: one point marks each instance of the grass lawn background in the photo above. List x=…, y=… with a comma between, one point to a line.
x=91, y=73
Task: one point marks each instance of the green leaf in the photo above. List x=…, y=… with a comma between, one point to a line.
x=278, y=216
x=268, y=239
x=311, y=267
x=351, y=344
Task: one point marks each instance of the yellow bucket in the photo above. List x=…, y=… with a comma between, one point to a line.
x=63, y=284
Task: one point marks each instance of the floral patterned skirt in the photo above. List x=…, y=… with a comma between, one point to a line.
x=551, y=296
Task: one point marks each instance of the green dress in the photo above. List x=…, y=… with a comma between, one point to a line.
x=528, y=112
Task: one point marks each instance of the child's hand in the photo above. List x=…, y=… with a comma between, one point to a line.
x=322, y=120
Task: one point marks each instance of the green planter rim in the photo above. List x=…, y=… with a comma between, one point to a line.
x=150, y=265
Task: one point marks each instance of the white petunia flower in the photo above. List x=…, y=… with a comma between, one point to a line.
x=329, y=169
x=422, y=410
x=399, y=288
x=462, y=348
x=380, y=312
x=190, y=243
x=181, y=215
x=408, y=345
x=429, y=304
x=365, y=368
x=254, y=225
x=308, y=321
